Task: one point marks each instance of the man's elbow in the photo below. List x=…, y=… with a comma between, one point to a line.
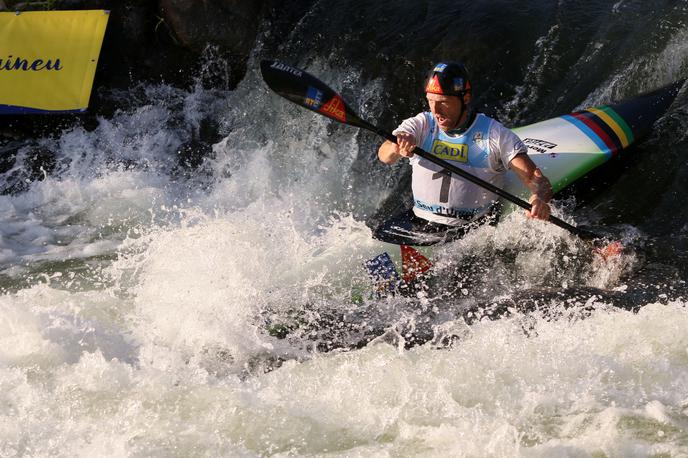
x=381, y=155
x=385, y=158
x=386, y=153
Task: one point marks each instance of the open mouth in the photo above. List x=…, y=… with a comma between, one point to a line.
x=442, y=120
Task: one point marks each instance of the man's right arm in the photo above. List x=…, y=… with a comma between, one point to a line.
x=388, y=152
x=407, y=133
x=391, y=152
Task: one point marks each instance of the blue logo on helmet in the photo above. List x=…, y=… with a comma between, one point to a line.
x=440, y=68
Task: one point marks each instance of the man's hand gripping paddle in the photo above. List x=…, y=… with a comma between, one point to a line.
x=306, y=90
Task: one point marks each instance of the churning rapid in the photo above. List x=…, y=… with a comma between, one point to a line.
x=161, y=302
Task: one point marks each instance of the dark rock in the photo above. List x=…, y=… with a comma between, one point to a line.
x=81, y=4
x=231, y=25
x=42, y=5
x=137, y=48
x=28, y=6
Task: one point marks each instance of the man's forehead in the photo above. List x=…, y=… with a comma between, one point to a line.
x=438, y=97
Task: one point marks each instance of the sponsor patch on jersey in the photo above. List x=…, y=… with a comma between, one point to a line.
x=313, y=98
x=450, y=151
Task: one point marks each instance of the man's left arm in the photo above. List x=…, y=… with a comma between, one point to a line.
x=536, y=182
x=513, y=154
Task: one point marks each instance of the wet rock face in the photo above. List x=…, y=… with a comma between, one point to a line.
x=164, y=39
x=42, y=5
x=231, y=24
x=152, y=39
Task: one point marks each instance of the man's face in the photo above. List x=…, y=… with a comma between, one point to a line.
x=446, y=109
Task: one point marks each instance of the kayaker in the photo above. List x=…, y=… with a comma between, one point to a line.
x=453, y=131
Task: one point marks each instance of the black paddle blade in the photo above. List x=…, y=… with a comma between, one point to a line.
x=306, y=90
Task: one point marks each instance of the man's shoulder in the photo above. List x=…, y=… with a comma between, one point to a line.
x=421, y=117
x=494, y=117
x=492, y=120
x=498, y=129
x=415, y=124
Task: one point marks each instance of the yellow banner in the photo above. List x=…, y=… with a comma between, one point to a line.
x=48, y=59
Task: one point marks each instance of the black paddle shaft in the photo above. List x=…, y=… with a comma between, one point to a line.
x=306, y=90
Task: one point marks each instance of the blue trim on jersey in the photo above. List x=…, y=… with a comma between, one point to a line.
x=477, y=156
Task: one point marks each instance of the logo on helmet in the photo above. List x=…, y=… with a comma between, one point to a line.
x=440, y=68
x=434, y=86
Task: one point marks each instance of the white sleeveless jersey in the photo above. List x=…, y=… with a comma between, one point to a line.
x=485, y=150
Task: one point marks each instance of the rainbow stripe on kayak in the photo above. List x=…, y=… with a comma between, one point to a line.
x=568, y=147
x=604, y=127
